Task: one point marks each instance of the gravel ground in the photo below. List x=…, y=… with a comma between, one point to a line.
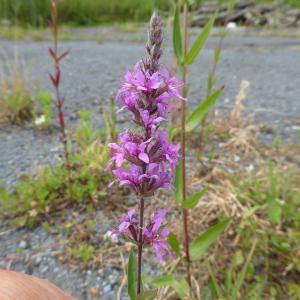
x=35, y=252
x=90, y=75
x=92, y=71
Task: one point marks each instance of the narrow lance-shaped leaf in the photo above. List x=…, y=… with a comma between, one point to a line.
x=178, y=183
x=193, y=200
x=217, y=55
x=174, y=244
x=241, y=276
x=172, y=132
x=199, y=43
x=199, y=246
x=132, y=276
x=195, y=118
x=215, y=284
x=177, y=40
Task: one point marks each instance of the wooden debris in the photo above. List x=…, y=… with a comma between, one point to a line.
x=247, y=13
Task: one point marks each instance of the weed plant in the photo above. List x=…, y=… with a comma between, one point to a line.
x=16, y=99
x=36, y=197
x=274, y=220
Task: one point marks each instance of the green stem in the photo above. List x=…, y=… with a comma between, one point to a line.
x=183, y=147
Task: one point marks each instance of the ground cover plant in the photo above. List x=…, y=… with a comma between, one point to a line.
x=231, y=230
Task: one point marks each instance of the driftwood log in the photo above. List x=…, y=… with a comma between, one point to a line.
x=247, y=13
x=18, y=286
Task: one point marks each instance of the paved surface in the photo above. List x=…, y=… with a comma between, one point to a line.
x=91, y=74
x=92, y=71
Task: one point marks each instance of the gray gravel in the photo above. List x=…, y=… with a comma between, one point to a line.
x=34, y=252
x=90, y=75
x=92, y=71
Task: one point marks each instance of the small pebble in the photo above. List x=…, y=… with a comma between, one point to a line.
x=106, y=289
x=23, y=244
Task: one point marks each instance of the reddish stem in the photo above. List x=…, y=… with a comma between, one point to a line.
x=55, y=78
x=140, y=245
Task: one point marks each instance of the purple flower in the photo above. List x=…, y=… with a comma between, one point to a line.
x=150, y=122
x=171, y=85
x=133, y=150
x=153, y=234
x=127, y=227
x=128, y=220
x=144, y=184
x=146, y=82
x=157, y=237
x=168, y=151
x=117, y=155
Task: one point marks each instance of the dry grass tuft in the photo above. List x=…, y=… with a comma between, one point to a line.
x=242, y=135
x=16, y=101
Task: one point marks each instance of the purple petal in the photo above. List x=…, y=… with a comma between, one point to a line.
x=164, y=233
x=158, y=253
x=131, y=213
x=144, y=157
x=123, y=226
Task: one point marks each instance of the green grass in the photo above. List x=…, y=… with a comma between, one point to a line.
x=79, y=12
x=90, y=12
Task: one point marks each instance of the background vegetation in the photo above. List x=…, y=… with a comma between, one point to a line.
x=88, y=12
x=35, y=12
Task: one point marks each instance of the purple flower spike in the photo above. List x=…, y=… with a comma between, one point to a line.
x=143, y=159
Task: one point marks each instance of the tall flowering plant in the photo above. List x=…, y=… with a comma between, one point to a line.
x=144, y=160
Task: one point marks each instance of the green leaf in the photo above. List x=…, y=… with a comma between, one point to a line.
x=180, y=285
x=274, y=211
x=177, y=40
x=216, y=286
x=178, y=184
x=195, y=118
x=199, y=246
x=163, y=281
x=147, y=295
x=199, y=43
x=174, y=244
x=172, y=132
x=132, y=276
x=193, y=200
x=241, y=276
x=217, y=55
